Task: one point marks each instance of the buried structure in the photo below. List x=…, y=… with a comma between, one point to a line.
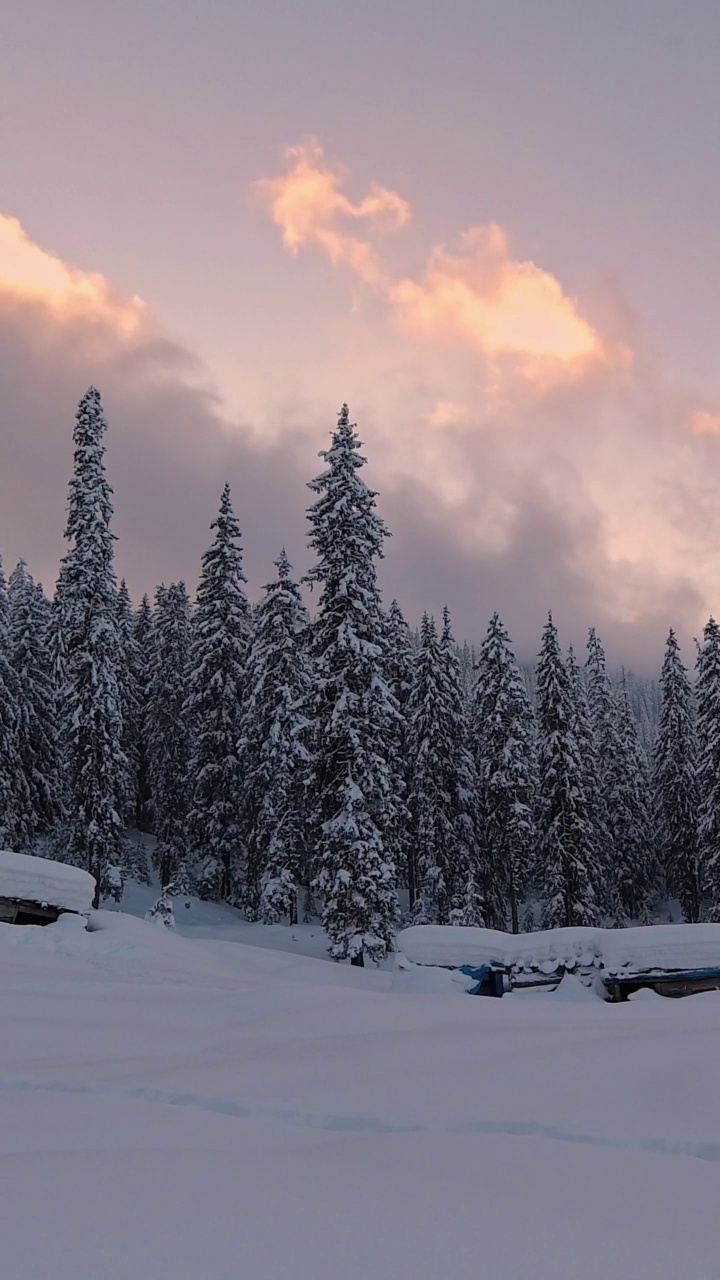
x=673, y=960
x=37, y=890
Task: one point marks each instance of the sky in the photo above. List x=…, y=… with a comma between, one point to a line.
x=490, y=228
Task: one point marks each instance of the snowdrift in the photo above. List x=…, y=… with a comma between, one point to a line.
x=47, y=883
x=171, y=1106
x=670, y=947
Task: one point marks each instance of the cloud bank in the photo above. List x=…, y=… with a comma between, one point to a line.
x=524, y=457
x=30, y=273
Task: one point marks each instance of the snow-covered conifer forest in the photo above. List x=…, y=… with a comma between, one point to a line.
x=312, y=755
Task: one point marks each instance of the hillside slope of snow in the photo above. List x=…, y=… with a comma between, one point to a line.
x=179, y=1108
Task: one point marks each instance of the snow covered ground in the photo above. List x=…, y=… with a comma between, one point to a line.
x=190, y=1108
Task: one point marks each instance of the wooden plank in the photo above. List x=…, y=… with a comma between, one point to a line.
x=41, y=913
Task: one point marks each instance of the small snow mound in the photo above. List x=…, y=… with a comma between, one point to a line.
x=573, y=990
x=415, y=978
x=69, y=922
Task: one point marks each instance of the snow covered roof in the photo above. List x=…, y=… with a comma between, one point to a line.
x=666, y=947
x=41, y=880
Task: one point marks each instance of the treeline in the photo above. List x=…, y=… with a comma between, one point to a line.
x=340, y=764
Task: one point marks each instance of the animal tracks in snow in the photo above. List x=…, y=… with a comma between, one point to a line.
x=709, y=1151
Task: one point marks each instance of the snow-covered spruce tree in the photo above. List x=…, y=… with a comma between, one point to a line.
x=44, y=610
x=90, y=701
x=37, y=730
x=502, y=739
x=17, y=820
x=468, y=665
x=142, y=635
x=675, y=780
x=429, y=802
x=467, y=881
x=167, y=728
x=399, y=675
x=599, y=754
x=644, y=699
x=56, y=642
x=162, y=912
x=136, y=863
x=274, y=751
x=129, y=699
x=221, y=634
x=596, y=820
x=635, y=864
x=599, y=698
x=182, y=884
x=55, y=639
x=400, y=654
x=564, y=835
x=352, y=711
x=707, y=698
x=442, y=785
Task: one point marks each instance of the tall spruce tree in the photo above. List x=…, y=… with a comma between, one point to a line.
x=634, y=862
x=274, y=751
x=142, y=635
x=352, y=710
x=16, y=817
x=600, y=701
x=502, y=737
x=564, y=834
x=707, y=695
x=129, y=700
x=601, y=752
x=221, y=633
x=675, y=779
x=399, y=674
x=598, y=846
x=468, y=871
x=468, y=665
x=399, y=658
x=442, y=785
x=37, y=730
x=167, y=730
x=429, y=800
x=90, y=703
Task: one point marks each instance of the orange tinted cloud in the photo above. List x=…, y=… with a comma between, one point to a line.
x=449, y=413
x=501, y=306
x=703, y=423
x=29, y=272
x=308, y=205
x=481, y=297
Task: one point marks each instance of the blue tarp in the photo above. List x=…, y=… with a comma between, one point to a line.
x=488, y=979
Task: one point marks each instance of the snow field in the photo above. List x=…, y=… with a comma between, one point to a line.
x=177, y=1108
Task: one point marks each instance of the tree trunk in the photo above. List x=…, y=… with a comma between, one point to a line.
x=359, y=959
